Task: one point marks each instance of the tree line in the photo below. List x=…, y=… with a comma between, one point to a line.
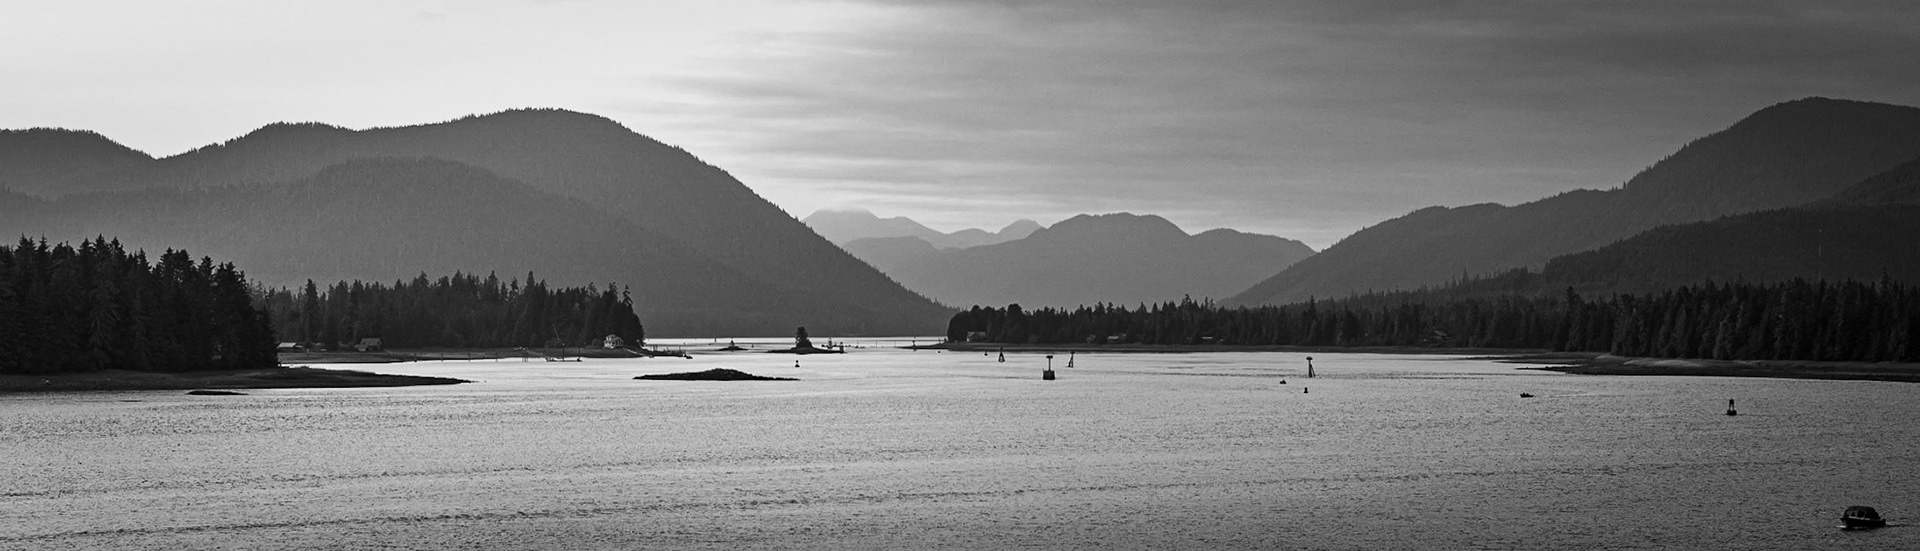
x=462, y=310
x=1792, y=320
x=70, y=309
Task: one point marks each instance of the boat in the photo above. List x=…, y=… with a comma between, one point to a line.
x=1860, y=516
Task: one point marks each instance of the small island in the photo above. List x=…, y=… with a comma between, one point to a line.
x=715, y=374
x=804, y=345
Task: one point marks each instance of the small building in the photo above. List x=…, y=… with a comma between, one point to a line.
x=613, y=342
x=289, y=347
x=368, y=344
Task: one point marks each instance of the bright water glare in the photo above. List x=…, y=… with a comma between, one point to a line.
x=897, y=449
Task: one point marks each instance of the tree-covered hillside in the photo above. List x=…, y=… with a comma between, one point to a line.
x=461, y=310
x=96, y=306
x=1794, y=320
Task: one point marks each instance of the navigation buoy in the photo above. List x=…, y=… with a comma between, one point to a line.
x=796, y=363
x=1303, y=390
x=1048, y=374
x=1309, y=367
x=1730, y=410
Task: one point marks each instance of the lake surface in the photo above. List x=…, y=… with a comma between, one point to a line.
x=892, y=449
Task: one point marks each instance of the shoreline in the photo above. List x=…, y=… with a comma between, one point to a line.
x=1193, y=348
x=294, y=374
x=1593, y=363
x=436, y=354
x=281, y=377
x=1578, y=363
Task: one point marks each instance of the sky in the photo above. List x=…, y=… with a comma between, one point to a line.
x=1304, y=119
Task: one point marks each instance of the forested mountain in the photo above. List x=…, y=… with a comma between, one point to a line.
x=1898, y=186
x=392, y=219
x=38, y=161
x=1867, y=232
x=846, y=226
x=1781, y=156
x=1831, y=243
x=688, y=215
x=1122, y=258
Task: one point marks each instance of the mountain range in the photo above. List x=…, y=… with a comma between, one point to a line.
x=1120, y=258
x=1782, y=156
x=846, y=226
x=1809, y=188
x=573, y=196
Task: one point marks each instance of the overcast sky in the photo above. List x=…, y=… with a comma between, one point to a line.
x=1308, y=120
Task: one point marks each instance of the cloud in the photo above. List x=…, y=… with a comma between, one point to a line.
x=1313, y=117
x=1309, y=119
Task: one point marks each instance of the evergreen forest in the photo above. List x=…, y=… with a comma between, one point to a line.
x=461, y=310
x=1792, y=320
x=70, y=309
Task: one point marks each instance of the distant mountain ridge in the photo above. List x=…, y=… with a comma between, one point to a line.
x=844, y=226
x=36, y=160
x=688, y=206
x=1120, y=258
x=1868, y=231
x=1781, y=156
x=330, y=227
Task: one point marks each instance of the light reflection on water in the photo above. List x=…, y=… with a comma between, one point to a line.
x=883, y=448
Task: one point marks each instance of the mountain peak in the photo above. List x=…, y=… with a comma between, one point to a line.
x=1020, y=228
x=62, y=141
x=1118, y=222
x=547, y=122
x=39, y=161
x=1836, y=142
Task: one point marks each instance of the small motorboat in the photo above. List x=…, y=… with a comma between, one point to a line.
x=1860, y=516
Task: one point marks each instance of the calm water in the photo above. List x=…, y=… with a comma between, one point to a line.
x=894, y=449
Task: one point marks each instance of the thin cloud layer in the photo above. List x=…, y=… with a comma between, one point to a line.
x=1307, y=119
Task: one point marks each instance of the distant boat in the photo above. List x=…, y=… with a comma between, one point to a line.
x=1860, y=516
x=1003, y=356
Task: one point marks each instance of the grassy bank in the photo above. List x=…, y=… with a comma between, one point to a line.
x=287, y=377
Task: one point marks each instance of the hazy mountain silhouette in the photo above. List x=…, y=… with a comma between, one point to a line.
x=845, y=226
x=1119, y=258
x=36, y=161
x=660, y=189
x=1784, y=155
x=1867, y=231
x=1859, y=242
x=390, y=219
